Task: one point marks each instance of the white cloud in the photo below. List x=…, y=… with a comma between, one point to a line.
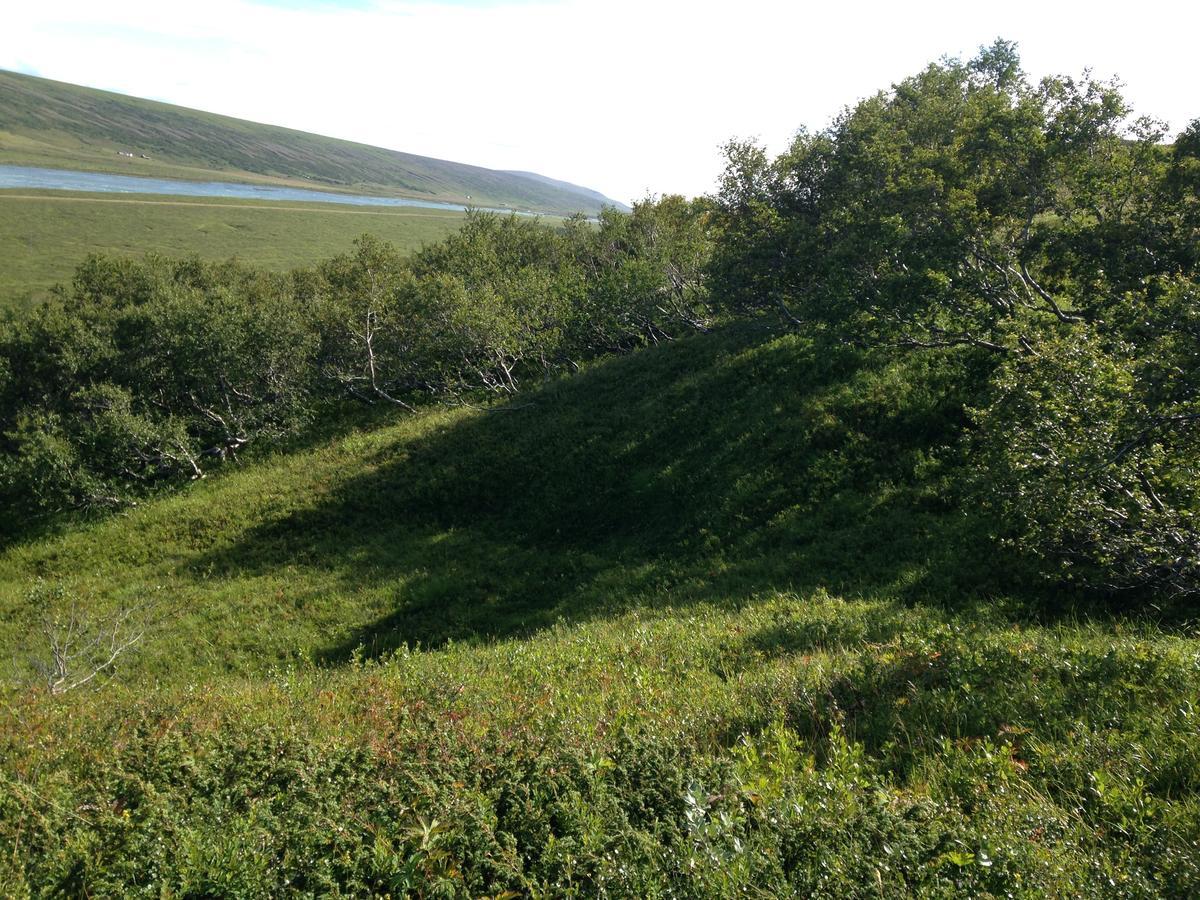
x=626, y=96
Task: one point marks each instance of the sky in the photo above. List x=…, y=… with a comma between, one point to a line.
x=629, y=97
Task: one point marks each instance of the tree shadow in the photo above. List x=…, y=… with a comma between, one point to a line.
x=337, y=420
x=711, y=470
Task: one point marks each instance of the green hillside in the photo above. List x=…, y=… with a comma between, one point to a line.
x=650, y=643
x=837, y=535
x=589, y=496
x=49, y=123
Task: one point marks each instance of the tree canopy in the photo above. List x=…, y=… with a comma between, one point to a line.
x=1041, y=224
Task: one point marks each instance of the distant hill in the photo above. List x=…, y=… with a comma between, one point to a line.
x=51, y=123
x=596, y=196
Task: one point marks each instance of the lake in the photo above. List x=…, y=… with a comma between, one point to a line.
x=30, y=177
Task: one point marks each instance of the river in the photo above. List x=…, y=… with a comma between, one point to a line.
x=30, y=177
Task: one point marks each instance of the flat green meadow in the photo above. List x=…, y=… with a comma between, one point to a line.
x=44, y=235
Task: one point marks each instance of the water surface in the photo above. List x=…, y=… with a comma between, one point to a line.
x=30, y=178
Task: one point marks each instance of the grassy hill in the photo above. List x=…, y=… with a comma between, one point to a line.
x=897, y=601
x=588, y=497
x=49, y=123
x=706, y=620
x=45, y=235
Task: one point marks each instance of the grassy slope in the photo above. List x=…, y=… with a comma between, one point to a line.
x=589, y=496
x=700, y=619
x=44, y=236
x=50, y=123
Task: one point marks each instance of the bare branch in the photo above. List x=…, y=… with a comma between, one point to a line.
x=81, y=647
x=1032, y=284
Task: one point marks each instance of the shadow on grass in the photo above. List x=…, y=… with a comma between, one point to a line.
x=712, y=470
x=337, y=420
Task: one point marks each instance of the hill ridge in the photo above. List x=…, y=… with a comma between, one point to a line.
x=55, y=123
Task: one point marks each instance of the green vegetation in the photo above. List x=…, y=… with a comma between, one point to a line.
x=44, y=237
x=1038, y=224
x=503, y=520
x=147, y=372
x=49, y=123
x=739, y=687
x=833, y=536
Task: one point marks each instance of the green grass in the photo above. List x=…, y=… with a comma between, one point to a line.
x=587, y=497
x=45, y=235
x=50, y=123
x=713, y=619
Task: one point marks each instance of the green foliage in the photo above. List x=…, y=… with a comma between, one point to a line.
x=626, y=757
x=143, y=373
x=1091, y=449
x=365, y=322
x=952, y=209
x=501, y=295
x=457, y=524
x=722, y=618
x=1038, y=222
x=646, y=272
x=82, y=456
x=736, y=687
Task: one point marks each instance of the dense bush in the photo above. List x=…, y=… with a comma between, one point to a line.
x=805, y=746
x=1037, y=226
x=145, y=372
x=646, y=273
x=634, y=681
x=958, y=208
x=1090, y=450
x=1040, y=227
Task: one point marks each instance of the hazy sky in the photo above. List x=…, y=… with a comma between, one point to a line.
x=625, y=96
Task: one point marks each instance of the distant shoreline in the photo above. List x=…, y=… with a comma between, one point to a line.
x=44, y=178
